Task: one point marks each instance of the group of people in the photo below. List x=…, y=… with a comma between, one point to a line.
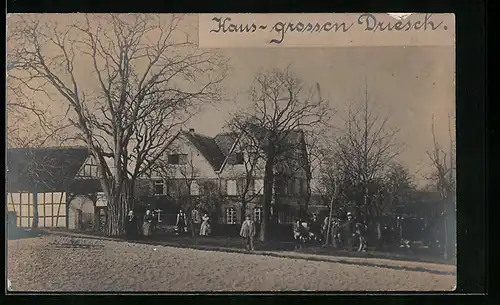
x=146, y=227
x=149, y=223
x=181, y=224
x=307, y=230
x=349, y=232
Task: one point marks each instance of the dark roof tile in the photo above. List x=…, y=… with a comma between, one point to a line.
x=208, y=148
x=47, y=169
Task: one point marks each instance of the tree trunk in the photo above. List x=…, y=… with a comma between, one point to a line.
x=117, y=210
x=308, y=194
x=268, y=196
x=34, y=225
x=243, y=209
x=329, y=222
x=131, y=194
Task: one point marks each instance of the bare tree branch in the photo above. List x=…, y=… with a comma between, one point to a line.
x=149, y=83
x=283, y=111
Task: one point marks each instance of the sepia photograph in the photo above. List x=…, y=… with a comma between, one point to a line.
x=230, y=153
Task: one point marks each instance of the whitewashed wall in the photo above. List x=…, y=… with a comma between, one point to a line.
x=202, y=167
x=51, y=209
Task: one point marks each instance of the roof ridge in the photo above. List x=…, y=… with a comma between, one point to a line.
x=196, y=134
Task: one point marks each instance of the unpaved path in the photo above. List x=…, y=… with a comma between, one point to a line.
x=62, y=263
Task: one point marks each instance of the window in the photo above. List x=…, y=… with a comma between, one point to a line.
x=230, y=216
x=195, y=188
x=231, y=188
x=159, y=187
x=259, y=186
x=177, y=159
x=159, y=215
x=90, y=169
x=257, y=214
x=239, y=158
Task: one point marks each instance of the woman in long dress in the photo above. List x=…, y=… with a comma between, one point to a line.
x=147, y=224
x=205, y=226
x=131, y=229
x=181, y=223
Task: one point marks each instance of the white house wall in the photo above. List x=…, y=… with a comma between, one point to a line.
x=239, y=170
x=51, y=209
x=195, y=160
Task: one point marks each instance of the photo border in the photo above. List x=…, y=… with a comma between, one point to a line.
x=470, y=112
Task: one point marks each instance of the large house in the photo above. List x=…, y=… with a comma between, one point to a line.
x=199, y=165
x=63, y=182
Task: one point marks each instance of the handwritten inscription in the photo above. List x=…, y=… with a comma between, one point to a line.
x=366, y=22
x=283, y=27
x=370, y=23
x=224, y=25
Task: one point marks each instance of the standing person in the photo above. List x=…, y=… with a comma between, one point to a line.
x=350, y=229
x=247, y=232
x=181, y=221
x=147, y=224
x=336, y=233
x=131, y=226
x=196, y=220
x=205, y=226
x=315, y=228
x=361, y=231
x=297, y=233
x=324, y=228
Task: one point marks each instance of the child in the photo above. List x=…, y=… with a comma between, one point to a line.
x=247, y=232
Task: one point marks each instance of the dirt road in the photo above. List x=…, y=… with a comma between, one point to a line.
x=58, y=263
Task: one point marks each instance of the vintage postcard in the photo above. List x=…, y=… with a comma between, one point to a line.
x=231, y=152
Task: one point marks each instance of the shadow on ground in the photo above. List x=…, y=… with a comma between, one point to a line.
x=286, y=249
x=19, y=233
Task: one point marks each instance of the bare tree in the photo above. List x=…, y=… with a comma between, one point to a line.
x=400, y=184
x=335, y=183
x=280, y=109
x=367, y=147
x=443, y=163
x=149, y=82
x=252, y=158
x=444, y=179
x=28, y=123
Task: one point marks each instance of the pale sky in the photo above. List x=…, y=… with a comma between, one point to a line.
x=408, y=84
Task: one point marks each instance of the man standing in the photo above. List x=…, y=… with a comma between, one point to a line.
x=350, y=230
x=336, y=233
x=181, y=223
x=247, y=232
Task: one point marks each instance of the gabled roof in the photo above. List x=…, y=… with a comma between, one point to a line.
x=207, y=147
x=47, y=169
x=225, y=141
x=219, y=149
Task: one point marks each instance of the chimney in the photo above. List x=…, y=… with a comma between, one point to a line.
x=191, y=130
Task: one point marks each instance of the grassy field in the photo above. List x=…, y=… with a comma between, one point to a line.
x=62, y=263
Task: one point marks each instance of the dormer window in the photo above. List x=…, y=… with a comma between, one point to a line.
x=90, y=169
